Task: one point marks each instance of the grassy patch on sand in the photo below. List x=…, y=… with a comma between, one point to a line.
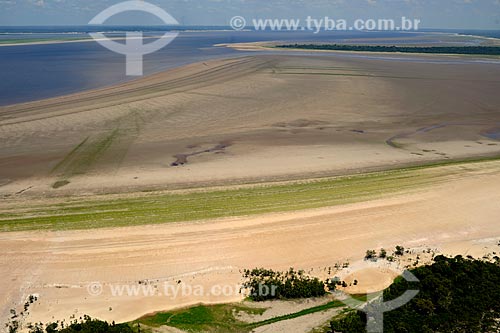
x=221, y=318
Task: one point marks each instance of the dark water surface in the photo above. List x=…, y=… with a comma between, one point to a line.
x=31, y=72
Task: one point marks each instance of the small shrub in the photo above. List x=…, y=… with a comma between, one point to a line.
x=370, y=254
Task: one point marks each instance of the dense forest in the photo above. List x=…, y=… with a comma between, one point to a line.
x=482, y=50
x=85, y=325
x=456, y=295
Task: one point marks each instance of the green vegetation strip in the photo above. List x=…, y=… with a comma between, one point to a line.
x=479, y=50
x=175, y=207
x=319, y=308
x=221, y=318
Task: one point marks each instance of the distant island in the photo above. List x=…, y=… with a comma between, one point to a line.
x=482, y=50
x=42, y=40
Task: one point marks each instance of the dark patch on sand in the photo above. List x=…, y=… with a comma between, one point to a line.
x=24, y=190
x=60, y=183
x=392, y=141
x=300, y=123
x=182, y=159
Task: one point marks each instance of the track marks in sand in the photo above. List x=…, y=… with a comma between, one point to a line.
x=347, y=72
x=103, y=151
x=83, y=157
x=68, y=158
x=162, y=84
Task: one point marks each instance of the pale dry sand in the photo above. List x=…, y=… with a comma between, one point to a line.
x=59, y=265
x=250, y=119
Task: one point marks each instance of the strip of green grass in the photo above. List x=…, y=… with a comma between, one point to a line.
x=155, y=208
x=319, y=308
x=162, y=208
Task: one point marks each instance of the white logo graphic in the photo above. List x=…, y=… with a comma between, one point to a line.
x=94, y=288
x=375, y=307
x=134, y=49
x=238, y=23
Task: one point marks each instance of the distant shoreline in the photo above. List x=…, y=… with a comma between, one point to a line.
x=18, y=42
x=63, y=41
x=455, y=50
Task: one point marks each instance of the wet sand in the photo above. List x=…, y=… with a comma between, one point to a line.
x=285, y=116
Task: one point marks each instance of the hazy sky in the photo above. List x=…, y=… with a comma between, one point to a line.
x=460, y=14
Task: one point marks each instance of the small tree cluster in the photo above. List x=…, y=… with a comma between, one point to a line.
x=264, y=284
x=399, y=251
x=331, y=284
x=370, y=255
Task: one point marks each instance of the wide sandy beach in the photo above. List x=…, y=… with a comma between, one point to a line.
x=256, y=119
x=456, y=216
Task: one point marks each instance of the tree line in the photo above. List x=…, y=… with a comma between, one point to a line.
x=478, y=50
x=456, y=295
